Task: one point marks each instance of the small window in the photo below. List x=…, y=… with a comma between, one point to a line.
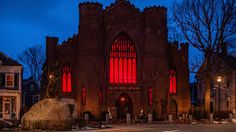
x=32, y=87
x=66, y=80
x=173, y=81
x=227, y=84
x=227, y=104
x=83, y=96
x=9, y=80
x=35, y=98
x=150, y=99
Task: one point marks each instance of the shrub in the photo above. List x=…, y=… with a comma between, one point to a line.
x=80, y=122
x=91, y=116
x=199, y=113
x=103, y=115
x=221, y=114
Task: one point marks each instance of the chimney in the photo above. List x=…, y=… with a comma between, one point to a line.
x=224, y=48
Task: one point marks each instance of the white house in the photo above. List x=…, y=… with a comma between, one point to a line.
x=10, y=87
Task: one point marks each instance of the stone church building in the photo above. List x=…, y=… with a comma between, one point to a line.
x=120, y=58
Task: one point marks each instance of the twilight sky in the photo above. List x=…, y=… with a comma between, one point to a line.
x=24, y=23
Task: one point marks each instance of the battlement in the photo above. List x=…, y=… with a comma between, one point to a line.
x=90, y=8
x=174, y=44
x=156, y=16
x=51, y=40
x=90, y=3
x=156, y=9
x=180, y=49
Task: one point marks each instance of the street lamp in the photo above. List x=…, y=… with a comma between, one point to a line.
x=50, y=76
x=219, y=80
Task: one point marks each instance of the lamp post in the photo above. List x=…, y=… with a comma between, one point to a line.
x=219, y=79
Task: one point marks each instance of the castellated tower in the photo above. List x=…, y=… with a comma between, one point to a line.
x=90, y=57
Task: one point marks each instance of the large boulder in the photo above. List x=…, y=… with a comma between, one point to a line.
x=52, y=114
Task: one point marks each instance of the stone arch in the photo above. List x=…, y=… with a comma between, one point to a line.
x=124, y=105
x=174, y=108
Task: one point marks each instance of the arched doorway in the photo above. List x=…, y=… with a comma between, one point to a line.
x=173, y=109
x=124, y=105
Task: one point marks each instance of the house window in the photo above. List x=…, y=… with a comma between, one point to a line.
x=1, y=106
x=173, y=81
x=122, y=61
x=9, y=80
x=227, y=104
x=227, y=84
x=35, y=98
x=150, y=96
x=66, y=79
x=83, y=96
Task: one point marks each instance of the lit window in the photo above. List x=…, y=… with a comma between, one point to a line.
x=9, y=80
x=123, y=61
x=172, y=81
x=83, y=96
x=66, y=79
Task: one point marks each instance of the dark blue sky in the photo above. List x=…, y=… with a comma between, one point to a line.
x=24, y=23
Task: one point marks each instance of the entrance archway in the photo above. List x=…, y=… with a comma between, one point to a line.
x=124, y=105
x=174, y=109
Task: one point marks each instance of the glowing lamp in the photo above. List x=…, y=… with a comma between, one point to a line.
x=122, y=99
x=50, y=76
x=219, y=79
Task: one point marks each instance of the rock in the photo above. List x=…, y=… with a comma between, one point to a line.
x=224, y=122
x=216, y=122
x=52, y=114
x=234, y=121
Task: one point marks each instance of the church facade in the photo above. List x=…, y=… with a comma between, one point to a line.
x=120, y=58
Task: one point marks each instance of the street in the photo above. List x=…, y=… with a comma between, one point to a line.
x=171, y=128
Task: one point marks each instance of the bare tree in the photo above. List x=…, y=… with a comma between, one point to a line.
x=206, y=25
x=33, y=59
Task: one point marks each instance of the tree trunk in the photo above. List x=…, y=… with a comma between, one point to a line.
x=207, y=94
x=208, y=57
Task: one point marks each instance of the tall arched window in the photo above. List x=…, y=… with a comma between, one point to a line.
x=150, y=98
x=66, y=79
x=123, y=61
x=173, y=81
x=84, y=94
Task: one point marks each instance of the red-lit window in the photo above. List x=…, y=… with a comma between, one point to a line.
x=83, y=100
x=66, y=79
x=123, y=61
x=150, y=99
x=172, y=81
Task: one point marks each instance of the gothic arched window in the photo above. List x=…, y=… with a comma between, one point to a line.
x=150, y=98
x=66, y=79
x=173, y=81
x=122, y=61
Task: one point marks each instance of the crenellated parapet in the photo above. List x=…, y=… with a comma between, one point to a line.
x=90, y=12
x=180, y=50
x=51, y=47
x=156, y=13
x=117, y=2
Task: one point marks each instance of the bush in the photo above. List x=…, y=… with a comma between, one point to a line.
x=103, y=115
x=80, y=122
x=154, y=115
x=199, y=114
x=91, y=116
x=221, y=114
